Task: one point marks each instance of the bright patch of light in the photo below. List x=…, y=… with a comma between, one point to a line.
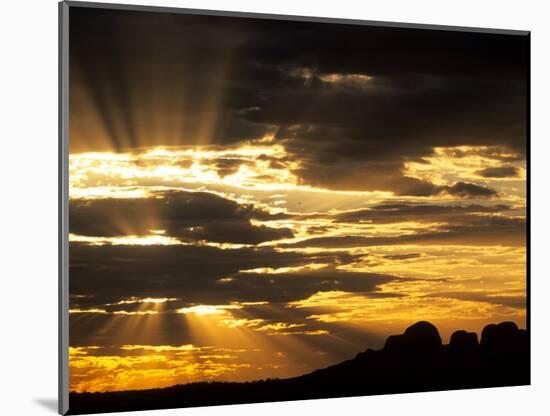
x=207, y=309
x=130, y=240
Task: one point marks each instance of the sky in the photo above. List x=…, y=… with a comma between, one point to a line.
x=254, y=198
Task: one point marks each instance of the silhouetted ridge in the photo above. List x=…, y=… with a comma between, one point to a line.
x=411, y=362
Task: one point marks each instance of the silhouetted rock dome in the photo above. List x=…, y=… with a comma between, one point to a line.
x=504, y=337
x=420, y=337
x=463, y=341
x=424, y=330
x=423, y=334
x=494, y=333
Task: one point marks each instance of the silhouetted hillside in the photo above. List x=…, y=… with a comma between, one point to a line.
x=412, y=362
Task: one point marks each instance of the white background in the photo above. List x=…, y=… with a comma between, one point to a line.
x=28, y=204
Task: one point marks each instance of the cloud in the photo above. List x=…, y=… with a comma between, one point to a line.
x=185, y=215
x=98, y=368
x=499, y=172
x=481, y=231
x=518, y=302
x=406, y=256
x=110, y=273
x=391, y=212
x=287, y=287
x=468, y=190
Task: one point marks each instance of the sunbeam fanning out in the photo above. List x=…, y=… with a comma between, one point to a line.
x=256, y=198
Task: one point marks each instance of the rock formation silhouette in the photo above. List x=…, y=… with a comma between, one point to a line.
x=420, y=338
x=414, y=361
x=463, y=343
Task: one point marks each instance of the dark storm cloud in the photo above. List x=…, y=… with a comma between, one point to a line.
x=174, y=79
x=185, y=215
x=360, y=140
x=109, y=273
x=479, y=231
x=499, y=172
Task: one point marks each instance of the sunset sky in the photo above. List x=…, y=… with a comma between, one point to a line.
x=256, y=198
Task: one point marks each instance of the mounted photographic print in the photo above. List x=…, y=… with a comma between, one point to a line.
x=260, y=208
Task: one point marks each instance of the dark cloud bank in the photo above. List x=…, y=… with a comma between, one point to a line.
x=224, y=80
x=109, y=273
